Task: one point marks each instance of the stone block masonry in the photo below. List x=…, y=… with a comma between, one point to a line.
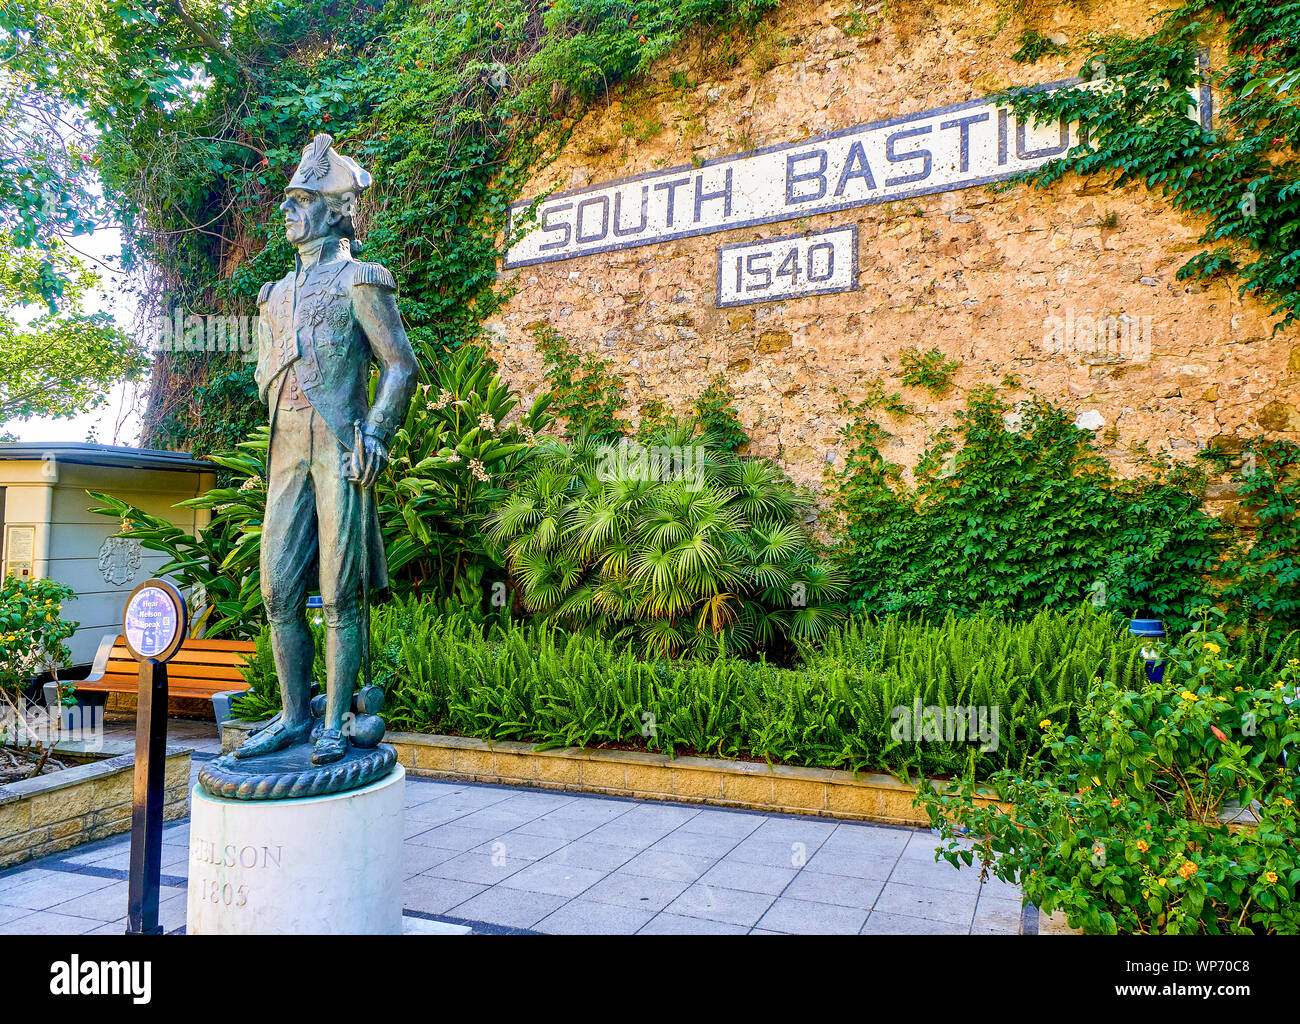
x=1070, y=291
x=80, y=804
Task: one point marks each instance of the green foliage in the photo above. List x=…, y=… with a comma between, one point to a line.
x=61, y=361
x=671, y=542
x=584, y=391
x=1034, y=46
x=1241, y=179
x=451, y=106
x=31, y=631
x=453, y=460
x=718, y=416
x=1018, y=520
x=219, y=566
x=1126, y=829
x=543, y=684
x=931, y=369
x=1261, y=569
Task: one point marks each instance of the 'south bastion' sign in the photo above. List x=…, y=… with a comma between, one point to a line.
x=953, y=147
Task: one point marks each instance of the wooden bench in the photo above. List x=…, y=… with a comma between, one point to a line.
x=201, y=669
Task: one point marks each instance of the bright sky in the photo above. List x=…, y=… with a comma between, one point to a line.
x=118, y=422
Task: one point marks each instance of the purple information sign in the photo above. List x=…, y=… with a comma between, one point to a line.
x=151, y=622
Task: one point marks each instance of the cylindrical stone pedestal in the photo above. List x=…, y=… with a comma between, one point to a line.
x=313, y=865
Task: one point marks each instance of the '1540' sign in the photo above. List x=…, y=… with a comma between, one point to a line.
x=940, y=150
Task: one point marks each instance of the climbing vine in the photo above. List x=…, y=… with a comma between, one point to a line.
x=1241, y=176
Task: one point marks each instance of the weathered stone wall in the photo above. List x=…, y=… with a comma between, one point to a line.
x=81, y=804
x=975, y=274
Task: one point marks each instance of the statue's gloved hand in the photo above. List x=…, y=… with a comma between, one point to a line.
x=368, y=459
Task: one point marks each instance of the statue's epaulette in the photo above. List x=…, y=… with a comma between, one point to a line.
x=265, y=293
x=372, y=273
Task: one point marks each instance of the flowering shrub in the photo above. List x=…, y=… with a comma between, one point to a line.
x=1173, y=810
x=31, y=631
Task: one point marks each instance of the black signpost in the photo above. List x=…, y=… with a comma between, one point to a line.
x=155, y=626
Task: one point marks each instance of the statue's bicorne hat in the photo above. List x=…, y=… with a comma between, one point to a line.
x=325, y=170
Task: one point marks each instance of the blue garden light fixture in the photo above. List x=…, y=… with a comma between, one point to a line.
x=1154, y=629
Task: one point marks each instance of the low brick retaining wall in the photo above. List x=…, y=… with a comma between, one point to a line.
x=635, y=773
x=55, y=812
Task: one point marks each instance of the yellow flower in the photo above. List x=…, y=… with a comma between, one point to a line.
x=1044, y=723
x=1188, y=695
x=1237, y=689
x=1270, y=877
x=1213, y=648
x=1142, y=846
x=1160, y=882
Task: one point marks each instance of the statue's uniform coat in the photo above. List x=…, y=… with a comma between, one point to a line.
x=324, y=323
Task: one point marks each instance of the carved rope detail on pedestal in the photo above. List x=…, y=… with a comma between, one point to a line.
x=232, y=779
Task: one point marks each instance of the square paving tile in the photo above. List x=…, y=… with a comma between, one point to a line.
x=879, y=923
x=484, y=868
x=677, y=867
x=108, y=903
x=37, y=923
x=723, y=823
x=8, y=914
x=555, y=879
x=455, y=837
x=677, y=924
x=585, y=917
x=937, y=876
x=736, y=874
x=836, y=890
x=698, y=844
x=635, y=891
x=558, y=826
x=436, y=895
x=774, y=853
x=620, y=832
x=596, y=856
x=792, y=830
x=416, y=858
x=857, y=864
x=509, y=907
x=592, y=808
x=996, y=917
x=933, y=904
x=799, y=917
x=46, y=891
x=521, y=844
x=717, y=904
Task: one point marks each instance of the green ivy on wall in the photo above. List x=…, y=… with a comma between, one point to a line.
x=1241, y=177
x=1014, y=511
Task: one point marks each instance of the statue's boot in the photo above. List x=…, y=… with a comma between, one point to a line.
x=342, y=663
x=293, y=652
x=275, y=736
x=331, y=747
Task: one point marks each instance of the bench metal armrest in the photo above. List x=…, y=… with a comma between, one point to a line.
x=100, y=666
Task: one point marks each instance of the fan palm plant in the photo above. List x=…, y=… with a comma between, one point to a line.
x=669, y=542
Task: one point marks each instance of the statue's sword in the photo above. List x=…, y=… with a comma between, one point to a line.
x=360, y=451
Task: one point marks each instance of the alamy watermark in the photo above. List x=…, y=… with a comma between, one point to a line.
x=1113, y=337
x=947, y=724
x=633, y=461
x=38, y=727
x=207, y=332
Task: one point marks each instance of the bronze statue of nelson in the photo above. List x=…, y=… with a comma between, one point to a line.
x=320, y=327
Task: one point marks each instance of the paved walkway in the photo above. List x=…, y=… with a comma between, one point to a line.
x=504, y=859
